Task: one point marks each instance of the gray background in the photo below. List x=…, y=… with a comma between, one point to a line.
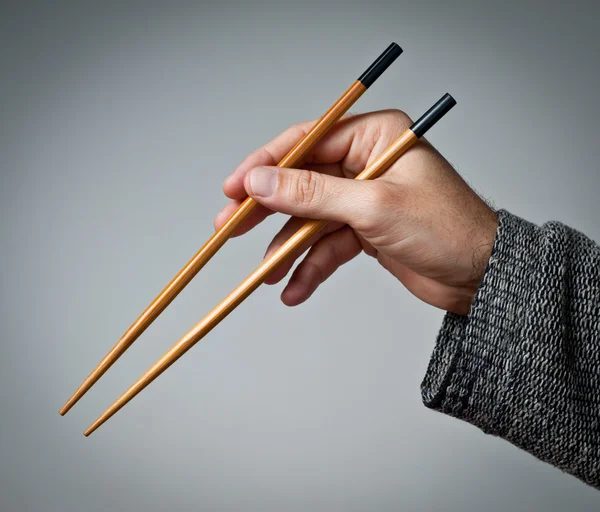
x=119, y=122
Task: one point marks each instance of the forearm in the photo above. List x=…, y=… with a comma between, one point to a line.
x=525, y=363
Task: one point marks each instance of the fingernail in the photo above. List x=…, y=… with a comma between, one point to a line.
x=263, y=181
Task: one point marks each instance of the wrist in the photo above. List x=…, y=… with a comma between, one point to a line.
x=481, y=253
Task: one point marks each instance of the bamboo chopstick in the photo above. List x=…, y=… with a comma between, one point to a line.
x=269, y=265
x=216, y=241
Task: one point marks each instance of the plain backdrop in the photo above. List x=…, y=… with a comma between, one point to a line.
x=119, y=122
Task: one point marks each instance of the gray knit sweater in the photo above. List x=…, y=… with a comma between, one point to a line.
x=524, y=365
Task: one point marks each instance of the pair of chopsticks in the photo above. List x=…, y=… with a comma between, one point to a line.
x=269, y=265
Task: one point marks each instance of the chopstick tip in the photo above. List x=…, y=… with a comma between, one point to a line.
x=68, y=404
x=100, y=421
x=91, y=429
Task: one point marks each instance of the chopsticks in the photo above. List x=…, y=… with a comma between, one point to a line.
x=269, y=265
x=218, y=239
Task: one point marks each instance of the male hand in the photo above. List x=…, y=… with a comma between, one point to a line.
x=420, y=219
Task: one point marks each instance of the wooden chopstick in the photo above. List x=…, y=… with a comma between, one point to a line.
x=216, y=241
x=269, y=265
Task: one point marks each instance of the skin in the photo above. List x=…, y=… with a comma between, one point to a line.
x=420, y=219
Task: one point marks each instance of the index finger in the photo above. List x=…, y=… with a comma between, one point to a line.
x=332, y=148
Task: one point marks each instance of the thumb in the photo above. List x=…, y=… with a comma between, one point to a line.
x=310, y=194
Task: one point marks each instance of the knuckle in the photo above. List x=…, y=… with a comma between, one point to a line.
x=382, y=194
x=399, y=117
x=335, y=255
x=299, y=130
x=316, y=270
x=307, y=188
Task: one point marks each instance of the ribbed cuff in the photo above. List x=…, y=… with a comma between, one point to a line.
x=478, y=358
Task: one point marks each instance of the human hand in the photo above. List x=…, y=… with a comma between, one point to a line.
x=420, y=219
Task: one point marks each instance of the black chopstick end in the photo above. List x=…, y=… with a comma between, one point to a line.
x=433, y=115
x=383, y=62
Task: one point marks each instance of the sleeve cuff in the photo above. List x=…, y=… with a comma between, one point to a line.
x=475, y=361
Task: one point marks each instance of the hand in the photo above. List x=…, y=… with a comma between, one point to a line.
x=420, y=219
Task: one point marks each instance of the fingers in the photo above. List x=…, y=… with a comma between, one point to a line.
x=261, y=213
x=290, y=227
x=323, y=259
x=350, y=142
x=255, y=218
x=312, y=195
x=346, y=149
x=270, y=154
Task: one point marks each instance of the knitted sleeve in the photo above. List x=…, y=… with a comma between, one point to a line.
x=524, y=365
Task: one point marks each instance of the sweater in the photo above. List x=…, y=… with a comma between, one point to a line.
x=524, y=364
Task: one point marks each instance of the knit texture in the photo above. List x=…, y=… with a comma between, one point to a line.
x=524, y=365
